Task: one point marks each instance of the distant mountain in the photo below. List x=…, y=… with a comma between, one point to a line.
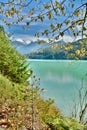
x=48, y=53
x=32, y=47
x=56, y=50
x=60, y=50
x=28, y=48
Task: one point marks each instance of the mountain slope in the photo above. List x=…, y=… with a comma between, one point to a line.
x=32, y=47
x=75, y=50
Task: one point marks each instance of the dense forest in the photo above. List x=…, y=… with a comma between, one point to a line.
x=21, y=104
x=64, y=51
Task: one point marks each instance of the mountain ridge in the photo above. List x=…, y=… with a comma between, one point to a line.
x=70, y=51
x=56, y=50
x=33, y=46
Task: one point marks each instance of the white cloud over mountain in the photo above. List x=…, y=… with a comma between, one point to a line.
x=27, y=39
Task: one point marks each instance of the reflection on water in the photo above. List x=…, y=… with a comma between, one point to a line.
x=62, y=80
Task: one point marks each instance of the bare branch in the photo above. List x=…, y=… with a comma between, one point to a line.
x=84, y=21
x=6, y=3
x=63, y=2
x=72, y=16
x=72, y=24
x=17, y=4
x=83, y=113
x=53, y=6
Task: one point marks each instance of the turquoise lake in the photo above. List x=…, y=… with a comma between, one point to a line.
x=62, y=80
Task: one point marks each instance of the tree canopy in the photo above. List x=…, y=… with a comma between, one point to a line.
x=65, y=17
x=12, y=64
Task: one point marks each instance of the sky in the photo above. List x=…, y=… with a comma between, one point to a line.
x=25, y=34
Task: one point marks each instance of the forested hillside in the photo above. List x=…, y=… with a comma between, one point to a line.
x=69, y=51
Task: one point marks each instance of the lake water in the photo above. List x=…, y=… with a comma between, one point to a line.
x=62, y=79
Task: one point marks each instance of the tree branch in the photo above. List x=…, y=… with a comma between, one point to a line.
x=63, y=2
x=73, y=14
x=84, y=21
x=83, y=112
x=6, y=3
x=18, y=4
x=72, y=24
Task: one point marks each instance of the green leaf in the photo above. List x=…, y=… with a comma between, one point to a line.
x=47, y=6
x=77, y=13
x=62, y=34
x=72, y=5
x=67, y=22
x=50, y=14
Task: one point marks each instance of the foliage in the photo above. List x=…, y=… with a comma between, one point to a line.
x=80, y=107
x=16, y=105
x=64, y=18
x=12, y=63
x=16, y=109
x=75, y=50
x=21, y=106
x=62, y=123
x=73, y=22
x=13, y=107
x=18, y=101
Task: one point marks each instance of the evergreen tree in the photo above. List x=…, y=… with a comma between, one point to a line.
x=12, y=64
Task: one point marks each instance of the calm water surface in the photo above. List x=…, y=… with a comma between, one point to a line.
x=62, y=79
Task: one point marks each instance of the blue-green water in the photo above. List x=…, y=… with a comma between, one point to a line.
x=62, y=80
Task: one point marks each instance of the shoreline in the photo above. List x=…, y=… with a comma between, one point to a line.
x=51, y=60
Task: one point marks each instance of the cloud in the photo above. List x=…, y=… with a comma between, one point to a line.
x=67, y=38
x=19, y=40
x=25, y=39
x=28, y=38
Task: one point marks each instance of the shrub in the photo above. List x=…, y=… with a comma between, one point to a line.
x=62, y=123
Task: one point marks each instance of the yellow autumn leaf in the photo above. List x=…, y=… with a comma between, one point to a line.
x=77, y=52
x=55, y=46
